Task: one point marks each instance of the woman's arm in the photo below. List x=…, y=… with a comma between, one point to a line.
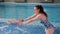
x=33, y=19
x=30, y=17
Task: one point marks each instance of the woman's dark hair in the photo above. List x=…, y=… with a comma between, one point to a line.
x=41, y=9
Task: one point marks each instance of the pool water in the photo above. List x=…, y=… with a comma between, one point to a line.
x=25, y=29
x=11, y=10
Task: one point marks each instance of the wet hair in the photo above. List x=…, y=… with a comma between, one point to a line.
x=41, y=10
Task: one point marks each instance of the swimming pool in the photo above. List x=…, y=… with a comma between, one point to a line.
x=23, y=10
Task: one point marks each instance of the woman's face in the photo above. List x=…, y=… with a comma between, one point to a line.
x=36, y=10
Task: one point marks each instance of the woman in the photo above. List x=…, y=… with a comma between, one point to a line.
x=41, y=15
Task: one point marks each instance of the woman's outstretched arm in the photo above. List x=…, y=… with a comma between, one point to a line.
x=30, y=20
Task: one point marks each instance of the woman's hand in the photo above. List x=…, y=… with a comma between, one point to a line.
x=20, y=21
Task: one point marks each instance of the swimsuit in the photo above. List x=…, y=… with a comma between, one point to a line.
x=47, y=24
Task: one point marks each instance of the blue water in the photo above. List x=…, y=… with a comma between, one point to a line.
x=25, y=29
x=23, y=10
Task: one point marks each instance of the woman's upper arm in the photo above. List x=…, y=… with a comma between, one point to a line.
x=30, y=17
x=35, y=18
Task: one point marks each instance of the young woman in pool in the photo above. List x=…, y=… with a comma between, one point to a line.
x=40, y=15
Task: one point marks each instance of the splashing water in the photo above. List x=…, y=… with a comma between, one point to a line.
x=27, y=29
